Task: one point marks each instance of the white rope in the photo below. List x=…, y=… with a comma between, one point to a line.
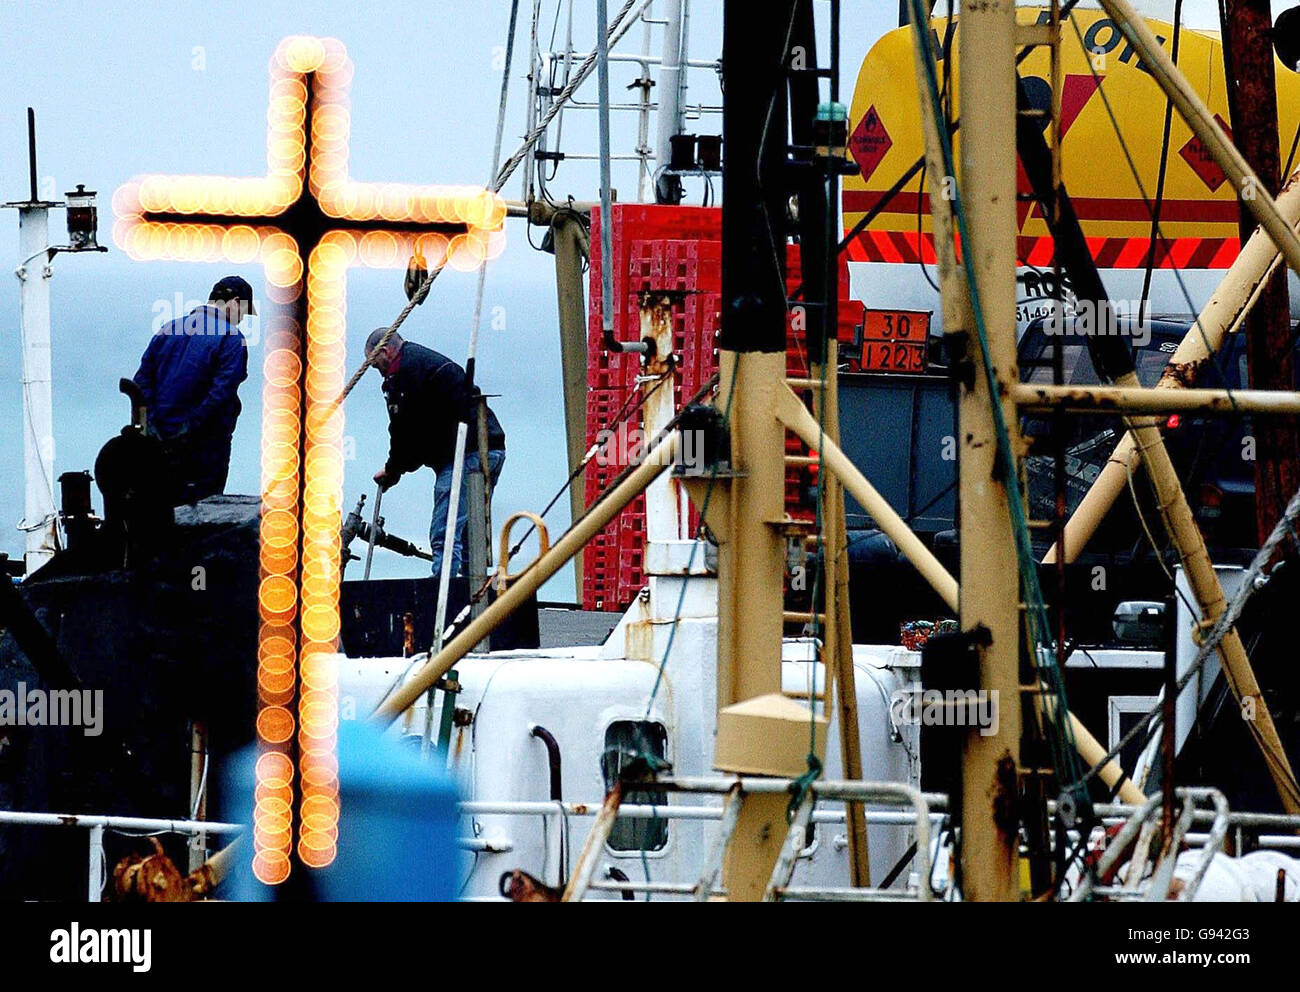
x=616, y=31
x=1252, y=579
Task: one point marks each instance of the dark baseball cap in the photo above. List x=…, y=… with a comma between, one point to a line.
x=233, y=288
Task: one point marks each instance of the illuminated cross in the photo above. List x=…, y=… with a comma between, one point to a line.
x=306, y=221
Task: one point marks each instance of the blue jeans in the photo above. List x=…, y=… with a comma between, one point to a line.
x=442, y=504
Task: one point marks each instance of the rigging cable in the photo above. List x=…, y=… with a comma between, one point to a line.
x=1042, y=651
x=1164, y=165
x=462, y=429
x=617, y=28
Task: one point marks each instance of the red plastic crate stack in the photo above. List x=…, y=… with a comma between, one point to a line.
x=658, y=247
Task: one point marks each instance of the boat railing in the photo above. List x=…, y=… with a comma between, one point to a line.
x=96, y=826
x=733, y=789
x=1137, y=834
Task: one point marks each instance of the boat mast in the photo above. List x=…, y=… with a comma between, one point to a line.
x=34, y=271
x=760, y=732
x=989, y=595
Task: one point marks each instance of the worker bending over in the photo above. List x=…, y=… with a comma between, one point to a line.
x=428, y=396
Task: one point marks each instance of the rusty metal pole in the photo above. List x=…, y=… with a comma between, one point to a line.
x=659, y=380
x=1252, y=105
x=989, y=592
x=841, y=680
x=572, y=246
x=478, y=528
x=956, y=317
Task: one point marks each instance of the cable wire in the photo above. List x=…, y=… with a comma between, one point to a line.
x=1037, y=627
x=617, y=29
x=1164, y=165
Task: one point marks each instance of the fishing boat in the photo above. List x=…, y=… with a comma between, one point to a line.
x=850, y=622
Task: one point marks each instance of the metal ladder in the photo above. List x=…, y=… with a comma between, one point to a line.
x=1046, y=33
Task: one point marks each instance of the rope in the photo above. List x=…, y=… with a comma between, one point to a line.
x=799, y=788
x=458, y=465
x=616, y=31
x=1037, y=626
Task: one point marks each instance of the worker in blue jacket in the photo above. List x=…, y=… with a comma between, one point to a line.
x=190, y=376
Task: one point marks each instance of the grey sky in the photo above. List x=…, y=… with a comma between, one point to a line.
x=123, y=89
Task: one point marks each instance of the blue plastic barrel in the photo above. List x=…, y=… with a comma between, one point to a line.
x=397, y=828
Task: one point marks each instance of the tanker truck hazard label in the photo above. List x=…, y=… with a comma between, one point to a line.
x=1202, y=162
x=895, y=340
x=869, y=142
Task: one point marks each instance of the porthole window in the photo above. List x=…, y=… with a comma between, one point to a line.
x=624, y=741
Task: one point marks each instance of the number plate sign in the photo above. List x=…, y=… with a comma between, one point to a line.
x=895, y=340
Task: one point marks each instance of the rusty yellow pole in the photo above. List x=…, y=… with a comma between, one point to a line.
x=1252, y=192
x=1185, y=534
x=760, y=731
x=957, y=317
x=841, y=681
x=1041, y=397
x=752, y=560
x=834, y=461
x=658, y=459
x=990, y=594
x=796, y=417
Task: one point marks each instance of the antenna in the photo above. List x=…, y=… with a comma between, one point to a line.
x=31, y=150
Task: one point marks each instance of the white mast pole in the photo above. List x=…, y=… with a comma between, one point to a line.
x=670, y=88
x=33, y=274
x=39, y=522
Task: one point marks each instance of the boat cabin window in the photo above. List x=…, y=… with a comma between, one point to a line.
x=624, y=741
